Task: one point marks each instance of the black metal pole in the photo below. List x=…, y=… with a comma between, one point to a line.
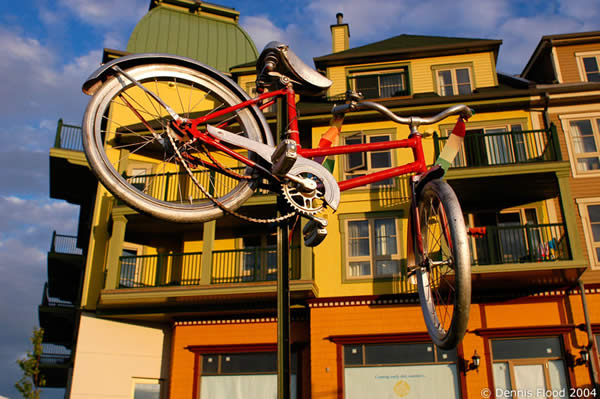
x=283, y=282
x=283, y=312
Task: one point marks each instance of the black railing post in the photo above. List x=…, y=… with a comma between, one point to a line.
x=58, y=130
x=53, y=244
x=436, y=145
x=167, y=178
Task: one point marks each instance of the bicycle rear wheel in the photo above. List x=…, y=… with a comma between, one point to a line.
x=132, y=148
x=444, y=266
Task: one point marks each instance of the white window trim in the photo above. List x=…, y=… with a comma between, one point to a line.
x=372, y=257
x=580, y=67
x=452, y=69
x=565, y=123
x=582, y=204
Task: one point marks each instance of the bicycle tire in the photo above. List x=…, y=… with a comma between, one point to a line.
x=123, y=126
x=444, y=267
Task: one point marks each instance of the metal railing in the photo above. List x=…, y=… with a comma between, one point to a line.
x=231, y=266
x=494, y=245
x=251, y=265
x=54, y=302
x=160, y=270
x=179, y=187
x=55, y=355
x=504, y=148
x=68, y=137
x=64, y=244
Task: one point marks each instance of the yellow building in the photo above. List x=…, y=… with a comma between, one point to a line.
x=179, y=311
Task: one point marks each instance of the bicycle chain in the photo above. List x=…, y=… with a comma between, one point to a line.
x=217, y=202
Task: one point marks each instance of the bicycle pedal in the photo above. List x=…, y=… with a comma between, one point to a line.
x=284, y=157
x=314, y=232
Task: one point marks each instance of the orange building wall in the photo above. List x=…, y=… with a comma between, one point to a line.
x=341, y=320
x=238, y=333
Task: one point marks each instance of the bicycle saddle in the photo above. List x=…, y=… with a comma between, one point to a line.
x=278, y=60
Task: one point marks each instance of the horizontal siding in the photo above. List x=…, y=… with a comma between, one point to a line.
x=422, y=70
x=568, y=63
x=338, y=76
x=580, y=187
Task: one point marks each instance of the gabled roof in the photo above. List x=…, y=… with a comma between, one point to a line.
x=546, y=43
x=409, y=46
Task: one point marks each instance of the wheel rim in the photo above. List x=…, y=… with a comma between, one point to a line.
x=139, y=141
x=437, y=270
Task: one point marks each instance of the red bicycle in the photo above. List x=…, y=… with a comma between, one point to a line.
x=157, y=118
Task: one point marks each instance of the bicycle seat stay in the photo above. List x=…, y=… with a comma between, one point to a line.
x=278, y=60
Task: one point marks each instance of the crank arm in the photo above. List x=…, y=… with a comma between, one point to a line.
x=302, y=165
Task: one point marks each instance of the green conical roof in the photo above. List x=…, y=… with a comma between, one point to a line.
x=214, y=40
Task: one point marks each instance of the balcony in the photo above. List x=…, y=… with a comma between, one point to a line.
x=228, y=267
x=57, y=318
x=68, y=166
x=55, y=363
x=229, y=279
x=524, y=257
x=504, y=148
x=65, y=268
x=178, y=186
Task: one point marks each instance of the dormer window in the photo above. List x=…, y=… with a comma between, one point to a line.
x=381, y=84
x=589, y=67
x=453, y=81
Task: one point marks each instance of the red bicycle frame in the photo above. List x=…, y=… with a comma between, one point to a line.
x=417, y=166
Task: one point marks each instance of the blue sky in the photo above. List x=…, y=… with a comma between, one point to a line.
x=48, y=47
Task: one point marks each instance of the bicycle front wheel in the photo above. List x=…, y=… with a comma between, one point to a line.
x=132, y=147
x=444, y=265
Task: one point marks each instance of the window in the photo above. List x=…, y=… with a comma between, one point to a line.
x=453, y=81
x=589, y=209
x=383, y=84
x=417, y=370
x=529, y=366
x=242, y=376
x=146, y=389
x=588, y=66
x=499, y=144
x=585, y=144
x=130, y=272
x=260, y=258
x=359, y=163
x=372, y=247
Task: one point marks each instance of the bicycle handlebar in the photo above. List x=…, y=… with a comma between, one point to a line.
x=412, y=121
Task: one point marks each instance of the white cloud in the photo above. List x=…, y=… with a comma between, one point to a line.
x=106, y=12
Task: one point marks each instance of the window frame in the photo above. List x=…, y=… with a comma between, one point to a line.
x=591, y=245
x=533, y=360
x=436, y=69
x=365, y=167
x=380, y=70
x=566, y=125
x=579, y=56
x=147, y=381
x=372, y=257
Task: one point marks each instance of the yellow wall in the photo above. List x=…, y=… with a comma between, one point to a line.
x=328, y=257
x=422, y=73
